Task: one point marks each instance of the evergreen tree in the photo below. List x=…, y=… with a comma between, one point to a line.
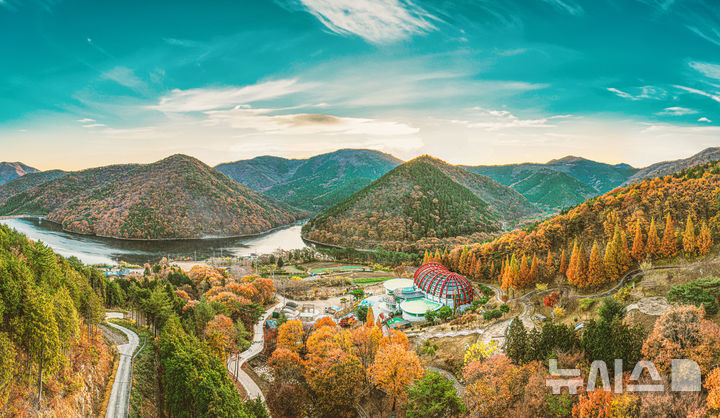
x=517, y=342
x=576, y=271
x=549, y=268
x=669, y=246
x=638, y=248
x=652, y=248
x=689, y=242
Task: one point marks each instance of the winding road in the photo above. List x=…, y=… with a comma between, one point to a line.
x=118, y=403
x=236, y=361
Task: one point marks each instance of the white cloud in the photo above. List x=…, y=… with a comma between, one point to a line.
x=201, y=99
x=493, y=120
x=704, y=119
x=709, y=70
x=644, y=92
x=621, y=93
x=94, y=125
x=711, y=35
x=85, y=120
x=377, y=21
x=700, y=92
x=262, y=120
x=125, y=77
x=567, y=6
x=677, y=111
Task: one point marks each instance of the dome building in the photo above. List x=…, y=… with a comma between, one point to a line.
x=442, y=286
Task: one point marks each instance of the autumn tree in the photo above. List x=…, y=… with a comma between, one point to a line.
x=683, y=333
x=366, y=341
x=704, y=240
x=712, y=384
x=394, y=369
x=563, y=263
x=577, y=268
x=335, y=378
x=493, y=385
x=290, y=336
x=638, y=248
x=596, y=270
x=669, y=247
x=689, y=242
x=287, y=365
x=652, y=248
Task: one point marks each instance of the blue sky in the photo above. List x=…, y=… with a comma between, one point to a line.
x=85, y=83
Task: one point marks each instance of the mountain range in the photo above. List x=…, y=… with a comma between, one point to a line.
x=11, y=171
x=161, y=201
x=177, y=197
x=315, y=183
x=414, y=201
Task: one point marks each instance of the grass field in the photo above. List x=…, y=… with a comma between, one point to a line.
x=337, y=268
x=371, y=280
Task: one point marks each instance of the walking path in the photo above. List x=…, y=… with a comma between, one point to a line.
x=118, y=403
x=236, y=361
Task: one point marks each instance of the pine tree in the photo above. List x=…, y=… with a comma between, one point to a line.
x=426, y=257
x=652, y=248
x=689, y=242
x=669, y=246
x=517, y=342
x=623, y=253
x=370, y=317
x=563, y=263
x=549, y=264
x=596, y=270
x=445, y=259
x=638, y=248
x=512, y=272
x=704, y=240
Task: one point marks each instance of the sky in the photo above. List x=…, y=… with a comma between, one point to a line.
x=89, y=83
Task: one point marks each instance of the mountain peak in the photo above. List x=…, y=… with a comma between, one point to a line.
x=567, y=159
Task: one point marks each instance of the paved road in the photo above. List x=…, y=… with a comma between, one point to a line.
x=118, y=404
x=252, y=389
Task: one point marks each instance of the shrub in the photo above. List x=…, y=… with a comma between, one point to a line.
x=494, y=314
x=504, y=308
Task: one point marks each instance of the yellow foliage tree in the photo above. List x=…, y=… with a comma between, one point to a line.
x=394, y=369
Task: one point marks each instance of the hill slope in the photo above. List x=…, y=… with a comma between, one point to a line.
x=315, y=183
x=553, y=189
x=611, y=222
x=508, y=205
x=669, y=167
x=27, y=182
x=11, y=171
x=412, y=202
x=178, y=197
x=553, y=192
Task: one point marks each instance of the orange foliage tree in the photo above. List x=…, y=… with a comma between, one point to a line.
x=394, y=369
x=638, y=248
x=290, y=336
x=335, y=378
x=704, y=240
x=652, y=248
x=712, y=384
x=669, y=246
x=689, y=242
x=596, y=270
x=683, y=333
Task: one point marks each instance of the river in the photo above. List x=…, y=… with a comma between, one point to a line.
x=97, y=250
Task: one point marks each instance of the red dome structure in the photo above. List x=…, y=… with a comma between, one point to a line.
x=441, y=285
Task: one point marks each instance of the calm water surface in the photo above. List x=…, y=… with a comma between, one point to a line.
x=96, y=250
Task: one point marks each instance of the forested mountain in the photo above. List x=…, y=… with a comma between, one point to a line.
x=412, y=203
x=49, y=310
x=315, y=183
x=669, y=167
x=553, y=192
x=508, y=205
x=11, y=171
x=602, y=238
x=178, y=197
x=27, y=182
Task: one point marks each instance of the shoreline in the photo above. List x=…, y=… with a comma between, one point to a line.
x=224, y=237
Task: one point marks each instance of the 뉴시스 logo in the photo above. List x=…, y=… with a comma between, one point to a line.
x=684, y=377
